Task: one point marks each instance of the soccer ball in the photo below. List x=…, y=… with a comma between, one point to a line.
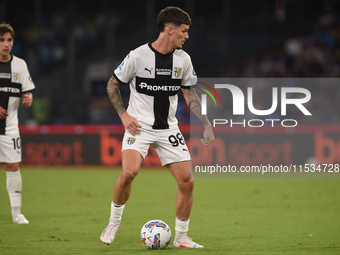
x=155, y=234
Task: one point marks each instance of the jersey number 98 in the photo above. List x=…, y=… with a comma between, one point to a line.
x=176, y=140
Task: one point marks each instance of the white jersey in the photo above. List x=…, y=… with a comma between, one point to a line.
x=155, y=80
x=14, y=80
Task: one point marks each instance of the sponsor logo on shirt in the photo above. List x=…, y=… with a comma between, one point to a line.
x=10, y=90
x=161, y=71
x=144, y=85
x=5, y=75
x=149, y=70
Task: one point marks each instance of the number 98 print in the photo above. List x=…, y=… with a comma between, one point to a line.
x=320, y=168
x=176, y=140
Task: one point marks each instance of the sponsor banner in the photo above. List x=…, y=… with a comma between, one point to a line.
x=55, y=146
x=241, y=147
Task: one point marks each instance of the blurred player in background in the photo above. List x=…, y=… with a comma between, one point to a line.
x=15, y=86
x=156, y=72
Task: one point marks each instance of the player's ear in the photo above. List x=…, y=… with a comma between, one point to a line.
x=170, y=29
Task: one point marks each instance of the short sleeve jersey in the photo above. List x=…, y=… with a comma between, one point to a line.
x=155, y=80
x=14, y=80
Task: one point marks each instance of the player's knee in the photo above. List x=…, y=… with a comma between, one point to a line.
x=187, y=185
x=11, y=167
x=191, y=183
x=128, y=175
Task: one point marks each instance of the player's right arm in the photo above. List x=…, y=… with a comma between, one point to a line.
x=129, y=122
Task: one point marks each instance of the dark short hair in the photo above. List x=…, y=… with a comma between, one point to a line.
x=6, y=28
x=173, y=15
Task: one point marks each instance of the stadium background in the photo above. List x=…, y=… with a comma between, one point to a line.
x=72, y=48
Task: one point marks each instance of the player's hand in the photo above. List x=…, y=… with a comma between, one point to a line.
x=131, y=124
x=27, y=99
x=208, y=135
x=3, y=113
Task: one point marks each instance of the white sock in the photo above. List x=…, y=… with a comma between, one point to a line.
x=14, y=188
x=181, y=227
x=116, y=212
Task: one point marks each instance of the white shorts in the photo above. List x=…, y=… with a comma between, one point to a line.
x=10, y=148
x=168, y=143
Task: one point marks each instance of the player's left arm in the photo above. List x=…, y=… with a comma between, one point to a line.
x=27, y=85
x=194, y=103
x=27, y=99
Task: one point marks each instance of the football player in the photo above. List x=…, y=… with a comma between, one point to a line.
x=15, y=86
x=156, y=72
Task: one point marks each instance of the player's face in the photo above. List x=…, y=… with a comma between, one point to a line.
x=180, y=35
x=6, y=44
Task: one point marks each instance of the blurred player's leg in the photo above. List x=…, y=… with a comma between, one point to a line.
x=131, y=161
x=14, y=188
x=182, y=173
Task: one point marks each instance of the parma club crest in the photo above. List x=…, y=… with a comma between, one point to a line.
x=131, y=140
x=15, y=76
x=177, y=71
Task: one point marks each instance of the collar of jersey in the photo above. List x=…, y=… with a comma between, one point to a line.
x=158, y=53
x=8, y=60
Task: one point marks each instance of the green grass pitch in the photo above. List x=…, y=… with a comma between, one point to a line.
x=68, y=208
